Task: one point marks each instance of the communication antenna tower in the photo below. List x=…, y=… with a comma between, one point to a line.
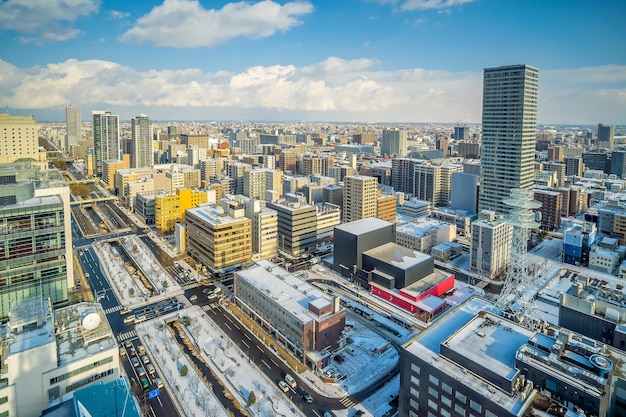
x=516, y=298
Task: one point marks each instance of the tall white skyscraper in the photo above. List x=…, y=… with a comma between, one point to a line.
x=142, y=154
x=72, y=128
x=393, y=143
x=509, y=133
x=106, y=137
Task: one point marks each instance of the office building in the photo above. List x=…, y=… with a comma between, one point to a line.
x=106, y=138
x=424, y=233
x=359, y=198
x=460, y=218
x=577, y=242
x=364, y=138
x=218, y=238
x=314, y=164
x=452, y=368
x=264, y=229
x=35, y=236
x=340, y=172
x=464, y=193
x=556, y=153
x=509, y=132
x=433, y=183
x=328, y=217
x=618, y=163
x=19, y=138
x=461, y=133
x=170, y=208
x=573, y=165
x=301, y=317
x=490, y=247
x=144, y=206
x=551, y=208
x=73, y=124
x=386, y=207
x=606, y=136
x=333, y=194
x=287, y=161
x=469, y=149
x=393, y=143
x=597, y=161
x=142, y=152
x=236, y=171
x=353, y=238
x=257, y=181
x=297, y=225
x=48, y=354
x=612, y=220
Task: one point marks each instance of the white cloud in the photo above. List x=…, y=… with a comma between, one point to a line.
x=334, y=89
x=116, y=14
x=186, y=24
x=432, y=4
x=44, y=20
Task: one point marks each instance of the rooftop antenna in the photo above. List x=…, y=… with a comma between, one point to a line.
x=516, y=298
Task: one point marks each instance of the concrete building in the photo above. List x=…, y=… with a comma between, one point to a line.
x=170, y=208
x=606, y=136
x=573, y=166
x=264, y=229
x=333, y=194
x=218, y=239
x=19, y=138
x=416, y=208
x=142, y=153
x=46, y=354
x=359, y=198
x=340, y=172
x=353, y=238
x=464, y=192
x=301, y=317
x=433, y=183
x=612, y=220
x=386, y=207
x=461, y=133
x=577, y=242
x=364, y=138
x=557, y=167
x=618, y=164
x=35, y=236
x=257, y=181
x=144, y=207
x=551, y=208
x=316, y=164
x=452, y=369
x=394, y=143
x=73, y=123
x=490, y=246
x=287, y=161
x=424, y=233
x=460, y=218
x=509, y=128
x=328, y=217
x=106, y=138
x=596, y=161
x=469, y=149
x=236, y=170
x=297, y=225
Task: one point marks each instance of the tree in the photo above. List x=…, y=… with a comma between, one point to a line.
x=251, y=398
x=60, y=164
x=184, y=370
x=131, y=292
x=187, y=321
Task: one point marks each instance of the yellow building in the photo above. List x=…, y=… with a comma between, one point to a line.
x=169, y=208
x=386, y=207
x=216, y=239
x=110, y=167
x=19, y=138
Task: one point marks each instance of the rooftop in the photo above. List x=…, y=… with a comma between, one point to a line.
x=291, y=292
x=362, y=226
x=421, y=226
x=397, y=255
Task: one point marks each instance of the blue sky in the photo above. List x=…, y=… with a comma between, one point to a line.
x=347, y=60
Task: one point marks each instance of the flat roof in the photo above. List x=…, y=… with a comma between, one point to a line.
x=490, y=342
x=213, y=214
x=421, y=226
x=287, y=290
x=426, y=283
x=361, y=226
x=398, y=256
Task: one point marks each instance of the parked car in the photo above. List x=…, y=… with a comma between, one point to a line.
x=339, y=359
x=193, y=298
x=145, y=383
x=141, y=371
x=122, y=351
x=283, y=386
x=141, y=349
x=145, y=359
x=307, y=397
x=290, y=381
x=158, y=382
x=134, y=361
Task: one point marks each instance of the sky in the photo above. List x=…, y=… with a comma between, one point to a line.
x=407, y=61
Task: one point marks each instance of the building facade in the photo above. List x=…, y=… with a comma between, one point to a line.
x=394, y=143
x=73, y=123
x=509, y=126
x=359, y=198
x=106, y=138
x=297, y=226
x=19, y=138
x=142, y=153
x=490, y=247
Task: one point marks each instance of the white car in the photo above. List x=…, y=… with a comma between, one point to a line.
x=283, y=386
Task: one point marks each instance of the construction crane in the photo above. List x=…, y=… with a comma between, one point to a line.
x=517, y=297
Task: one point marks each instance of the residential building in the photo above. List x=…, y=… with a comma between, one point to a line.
x=469, y=149
x=577, y=242
x=606, y=136
x=364, y=138
x=402, y=175
x=551, y=208
x=359, y=198
x=423, y=234
x=297, y=225
x=573, y=166
x=393, y=143
x=142, y=154
x=386, y=207
x=333, y=194
x=106, y=138
x=73, y=124
x=264, y=229
x=48, y=354
x=287, y=161
x=236, y=171
x=19, y=138
x=257, y=181
x=509, y=130
x=316, y=164
x=340, y=172
x=218, y=238
x=301, y=317
x=464, y=192
x=490, y=247
x=328, y=217
x=170, y=208
x=612, y=220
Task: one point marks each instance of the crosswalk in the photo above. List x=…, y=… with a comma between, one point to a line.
x=190, y=286
x=113, y=309
x=209, y=307
x=347, y=402
x=128, y=335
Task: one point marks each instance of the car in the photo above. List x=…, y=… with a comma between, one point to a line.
x=150, y=369
x=132, y=351
x=141, y=349
x=134, y=361
x=125, y=311
x=339, y=359
x=283, y=386
x=128, y=344
x=193, y=298
x=145, y=359
x=158, y=382
x=358, y=413
x=145, y=383
x=307, y=397
x=290, y=381
x=328, y=414
x=141, y=371
x=129, y=319
x=212, y=296
x=122, y=351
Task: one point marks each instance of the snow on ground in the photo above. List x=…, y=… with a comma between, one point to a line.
x=378, y=404
x=113, y=266
x=145, y=259
x=232, y=366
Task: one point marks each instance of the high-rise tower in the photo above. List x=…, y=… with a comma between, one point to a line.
x=393, y=142
x=142, y=149
x=106, y=137
x=509, y=129
x=72, y=128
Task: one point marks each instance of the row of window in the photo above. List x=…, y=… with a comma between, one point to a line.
x=80, y=370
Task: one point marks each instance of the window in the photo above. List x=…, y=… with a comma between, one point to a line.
x=432, y=404
x=416, y=369
x=446, y=401
x=490, y=414
x=475, y=406
x=414, y=393
x=415, y=381
x=445, y=413
x=459, y=409
x=446, y=388
x=414, y=404
x=433, y=380
x=433, y=392
x=460, y=397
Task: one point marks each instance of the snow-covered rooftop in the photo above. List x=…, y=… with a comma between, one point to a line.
x=421, y=226
x=397, y=255
x=361, y=226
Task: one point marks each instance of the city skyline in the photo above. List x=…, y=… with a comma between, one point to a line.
x=412, y=61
